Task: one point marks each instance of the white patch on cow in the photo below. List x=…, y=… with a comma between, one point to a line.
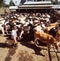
x=58, y=43
x=43, y=25
x=31, y=22
x=26, y=23
x=2, y=28
x=38, y=28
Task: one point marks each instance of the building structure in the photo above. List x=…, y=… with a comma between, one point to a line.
x=53, y=1
x=39, y=6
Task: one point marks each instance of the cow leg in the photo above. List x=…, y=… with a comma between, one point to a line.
x=3, y=31
x=7, y=27
x=56, y=45
x=21, y=34
x=35, y=41
x=6, y=31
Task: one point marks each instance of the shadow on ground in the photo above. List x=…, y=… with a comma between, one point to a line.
x=11, y=52
x=4, y=45
x=27, y=43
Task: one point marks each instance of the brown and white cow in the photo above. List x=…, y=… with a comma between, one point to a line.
x=46, y=38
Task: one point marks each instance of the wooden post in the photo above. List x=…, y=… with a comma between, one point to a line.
x=49, y=53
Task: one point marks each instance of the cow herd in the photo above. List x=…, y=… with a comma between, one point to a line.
x=34, y=26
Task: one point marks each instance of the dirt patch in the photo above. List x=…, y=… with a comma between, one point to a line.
x=11, y=52
x=24, y=56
